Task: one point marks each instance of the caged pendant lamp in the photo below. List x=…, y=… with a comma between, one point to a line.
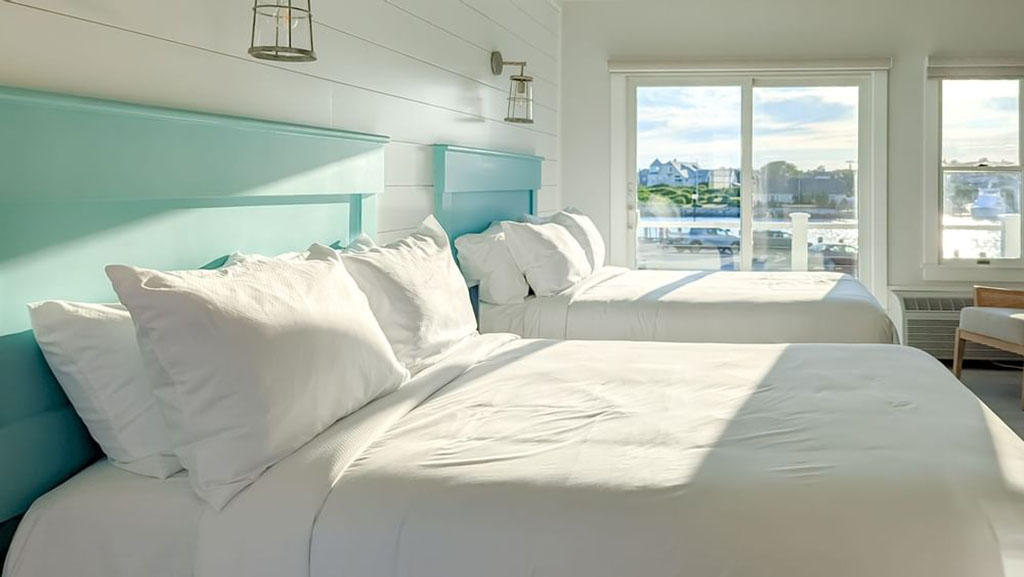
x=520, y=92
x=282, y=30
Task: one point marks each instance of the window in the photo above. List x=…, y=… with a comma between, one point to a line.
x=779, y=172
x=973, y=179
x=980, y=171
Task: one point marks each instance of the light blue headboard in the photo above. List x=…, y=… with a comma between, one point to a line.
x=85, y=182
x=473, y=187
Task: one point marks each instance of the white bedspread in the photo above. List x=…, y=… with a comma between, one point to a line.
x=107, y=522
x=697, y=306
x=568, y=458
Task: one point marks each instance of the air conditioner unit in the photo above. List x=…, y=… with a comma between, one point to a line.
x=928, y=321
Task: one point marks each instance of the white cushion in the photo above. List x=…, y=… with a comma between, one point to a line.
x=240, y=257
x=1001, y=323
x=547, y=254
x=585, y=232
x=416, y=292
x=250, y=362
x=92, y=351
x=485, y=257
x=360, y=243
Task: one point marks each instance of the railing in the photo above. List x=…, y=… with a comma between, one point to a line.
x=799, y=226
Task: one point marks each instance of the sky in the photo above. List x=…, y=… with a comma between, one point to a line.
x=807, y=126
x=811, y=126
x=980, y=121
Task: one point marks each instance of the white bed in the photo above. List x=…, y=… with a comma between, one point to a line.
x=643, y=459
x=696, y=306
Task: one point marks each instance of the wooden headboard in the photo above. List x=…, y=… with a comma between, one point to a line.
x=85, y=183
x=474, y=187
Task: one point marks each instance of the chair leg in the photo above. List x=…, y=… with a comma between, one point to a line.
x=1022, y=391
x=958, y=355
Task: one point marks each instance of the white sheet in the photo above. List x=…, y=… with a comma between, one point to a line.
x=696, y=306
x=105, y=522
x=658, y=459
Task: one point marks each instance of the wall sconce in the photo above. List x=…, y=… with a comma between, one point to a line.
x=282, y=30
x=520, y=93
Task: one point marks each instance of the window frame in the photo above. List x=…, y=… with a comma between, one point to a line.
x=872, y=81
x=936, y=266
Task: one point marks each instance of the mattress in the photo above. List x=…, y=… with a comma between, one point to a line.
x=107, y=522
x=701, y=306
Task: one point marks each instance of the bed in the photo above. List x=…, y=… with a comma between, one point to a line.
x=508, y=456
x=473, y=188
x=645, y=459
x=700, y=306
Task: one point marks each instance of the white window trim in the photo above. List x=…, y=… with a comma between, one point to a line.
x=935, y=268
x=871, y=76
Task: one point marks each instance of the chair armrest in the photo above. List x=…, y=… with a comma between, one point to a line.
x=985, y=296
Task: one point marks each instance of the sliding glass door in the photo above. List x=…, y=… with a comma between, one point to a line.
x=749, y=173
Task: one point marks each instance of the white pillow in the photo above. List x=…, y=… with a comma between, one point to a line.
x=416, y=292
x=91, y=349
x=586, y=234
x=485, y=257
x=240, y=257
x=250, y=362
x=547, y=254
x=360, y=243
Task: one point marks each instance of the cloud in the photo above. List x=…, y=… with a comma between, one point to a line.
x=808, y=126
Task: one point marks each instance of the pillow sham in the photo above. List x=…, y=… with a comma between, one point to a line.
x=91, y=349
x=485, y=257
x=586, y=234
x=416, y=291
x=547, y=254
x=250, y=362
x=360, y=243
x=581, y=228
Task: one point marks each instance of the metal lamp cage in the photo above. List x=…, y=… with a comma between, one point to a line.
x=282, y=30
x=520, y=99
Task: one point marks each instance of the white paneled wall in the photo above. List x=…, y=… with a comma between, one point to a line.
x=415, y=70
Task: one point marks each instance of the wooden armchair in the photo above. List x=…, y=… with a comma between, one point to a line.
x=995, y=320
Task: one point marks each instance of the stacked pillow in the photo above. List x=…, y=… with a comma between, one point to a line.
x=552, y=253
x=485, y=257
x=250, y=362
x=415, y=290
x=224, y=372
x=92, y=351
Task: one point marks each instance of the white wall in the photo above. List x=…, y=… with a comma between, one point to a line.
x=415, y=70
x=907, y=30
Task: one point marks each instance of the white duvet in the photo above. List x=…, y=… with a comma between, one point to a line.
x=701, y=306
x=569, y=458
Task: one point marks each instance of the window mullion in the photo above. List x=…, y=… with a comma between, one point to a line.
x=747, y=175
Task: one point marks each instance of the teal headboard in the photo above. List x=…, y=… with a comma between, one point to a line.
x=85, y=182
x=474, y=187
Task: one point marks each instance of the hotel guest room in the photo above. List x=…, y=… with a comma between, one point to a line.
x=551, y=288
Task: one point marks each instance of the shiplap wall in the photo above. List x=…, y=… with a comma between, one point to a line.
x=415, y=70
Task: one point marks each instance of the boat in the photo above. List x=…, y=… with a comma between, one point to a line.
x=989, y=205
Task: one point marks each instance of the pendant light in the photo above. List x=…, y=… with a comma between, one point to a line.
x=520, y=92
x=282, y=30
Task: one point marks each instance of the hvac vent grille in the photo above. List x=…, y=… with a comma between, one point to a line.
x=936, y=304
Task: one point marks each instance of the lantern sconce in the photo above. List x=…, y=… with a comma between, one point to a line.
x=282, y=30
x=520, y=92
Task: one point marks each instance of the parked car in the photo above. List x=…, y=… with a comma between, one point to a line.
x=700, y=238
x=833, y=256
x=772, y=240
